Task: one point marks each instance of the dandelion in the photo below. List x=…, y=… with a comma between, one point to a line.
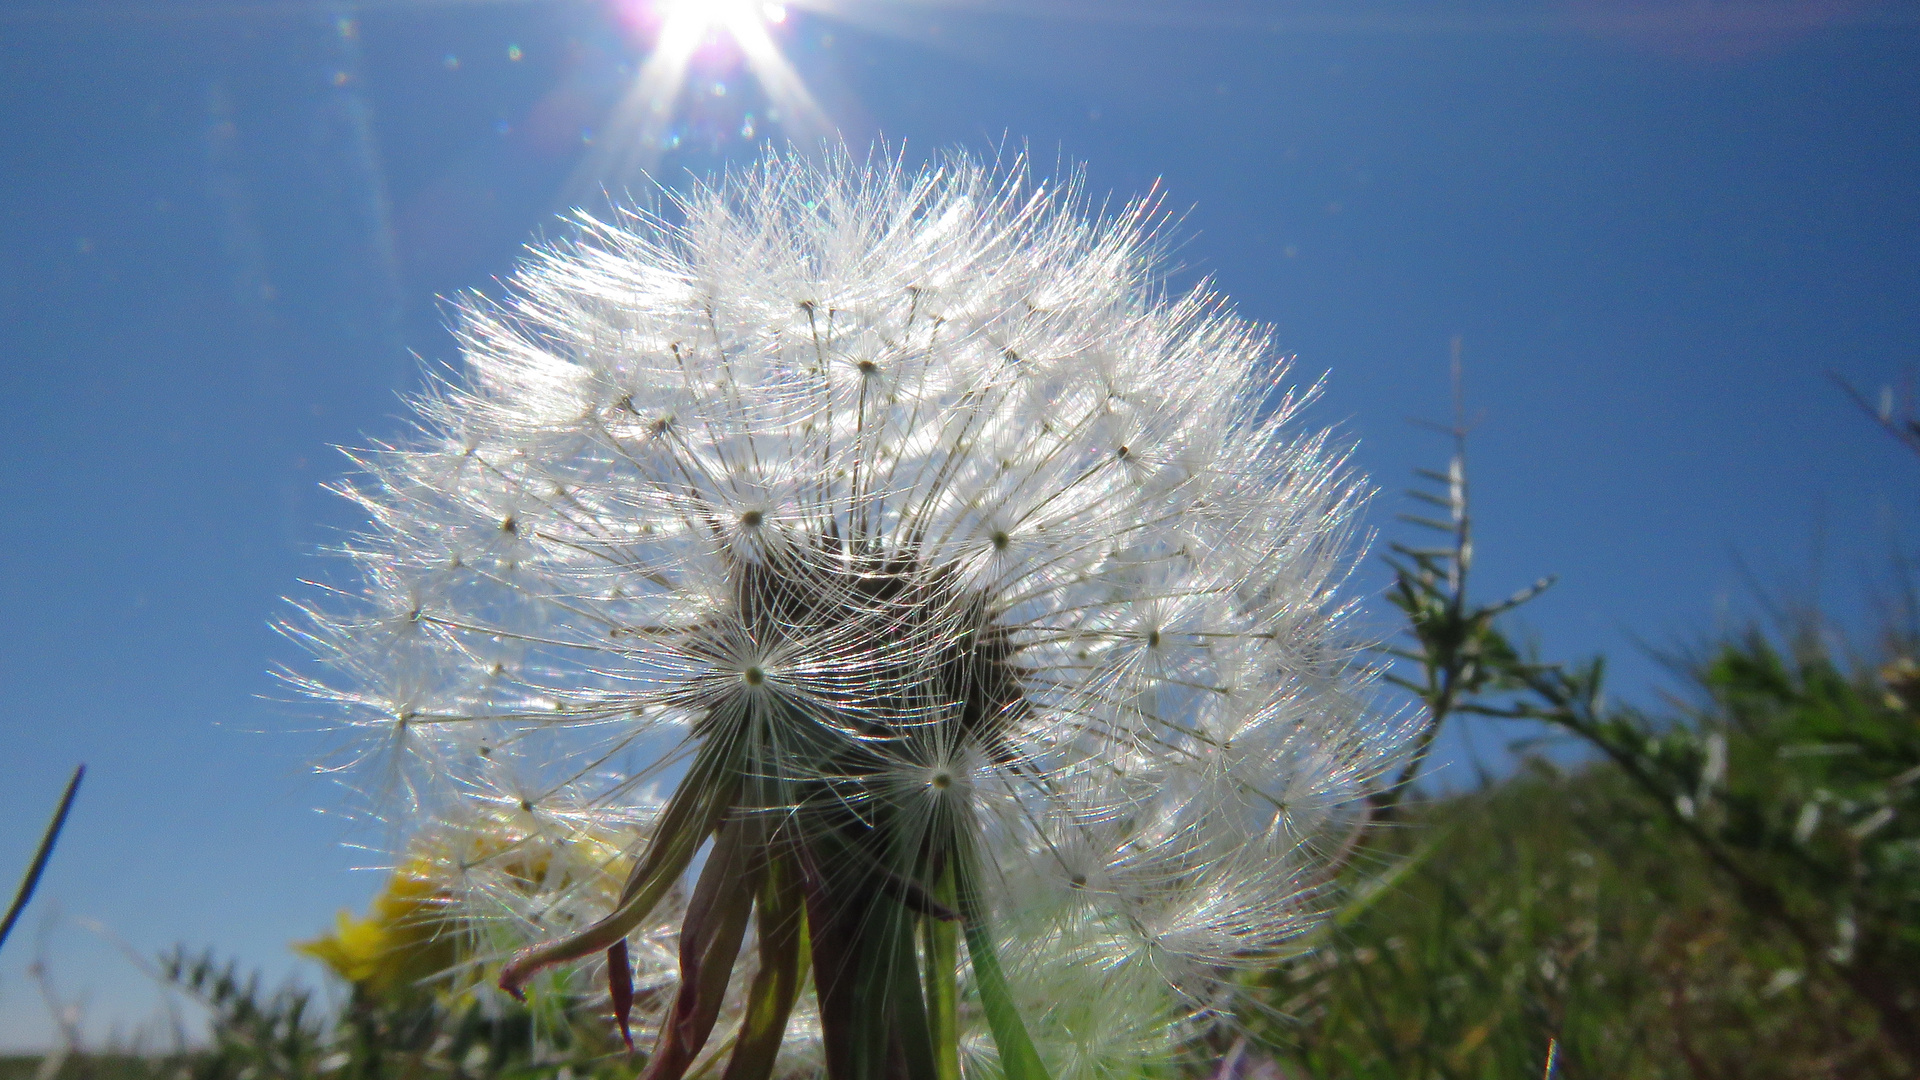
x=893, y=556
x=490, y=871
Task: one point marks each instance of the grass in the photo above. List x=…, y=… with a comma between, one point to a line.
x=1550, y=905
x=102, y=1066
x=1553, y=906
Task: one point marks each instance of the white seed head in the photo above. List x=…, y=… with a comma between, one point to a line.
x=926, y=476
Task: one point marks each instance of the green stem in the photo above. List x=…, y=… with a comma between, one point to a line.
x=905, y=1006
x=1018, y=1059
x=941, y=940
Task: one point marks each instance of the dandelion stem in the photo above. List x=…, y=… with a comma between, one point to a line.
x=942, y=944
x=911, y=1035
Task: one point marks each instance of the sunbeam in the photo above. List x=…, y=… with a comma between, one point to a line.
x=637, y=132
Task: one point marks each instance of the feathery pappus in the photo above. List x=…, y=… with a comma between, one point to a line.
x=945, y=611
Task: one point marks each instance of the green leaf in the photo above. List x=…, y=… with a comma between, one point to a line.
x=1018, y=1059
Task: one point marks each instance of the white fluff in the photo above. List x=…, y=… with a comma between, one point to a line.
x=966, y=372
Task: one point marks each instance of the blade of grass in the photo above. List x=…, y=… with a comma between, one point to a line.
x=39, y=864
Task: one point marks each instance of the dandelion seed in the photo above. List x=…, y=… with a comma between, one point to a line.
x=954, y=582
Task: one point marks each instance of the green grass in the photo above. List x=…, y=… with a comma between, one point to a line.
x=105, y=1066
x=1554, y=906
x=1551, y=905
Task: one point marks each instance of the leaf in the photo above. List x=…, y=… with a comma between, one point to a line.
x=780, y=924
x=620, y=990
x=690, y=815
x=1368, y=892
x=710, y=943
x=1018, y=1059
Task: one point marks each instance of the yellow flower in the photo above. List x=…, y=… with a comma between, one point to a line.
x=420, y=926
x=404, y=946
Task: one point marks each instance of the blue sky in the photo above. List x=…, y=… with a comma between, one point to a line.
x=1658, y=228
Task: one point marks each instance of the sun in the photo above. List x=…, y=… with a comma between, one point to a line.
x=729, y=15
x=646, y=112
x=685, y=24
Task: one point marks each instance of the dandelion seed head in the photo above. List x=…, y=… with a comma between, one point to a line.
x=922, y=492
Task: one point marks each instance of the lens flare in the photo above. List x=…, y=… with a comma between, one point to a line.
x=638, y=129
x=710, y=14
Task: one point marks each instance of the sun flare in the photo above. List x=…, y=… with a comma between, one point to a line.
x=639, y=127
x=729, y=15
